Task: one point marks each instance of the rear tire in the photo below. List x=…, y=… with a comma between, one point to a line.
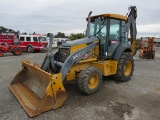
x=125, y=68
x=90, y=80
x=29, y=49
x=17, y=51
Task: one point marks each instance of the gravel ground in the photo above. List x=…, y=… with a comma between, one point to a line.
x=138, y=99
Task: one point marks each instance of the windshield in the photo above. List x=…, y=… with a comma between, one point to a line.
x=98, y=27
x=43, y=39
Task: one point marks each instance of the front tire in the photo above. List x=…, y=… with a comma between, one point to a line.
x=125, y=68
x=90, y=80
x=17, y=51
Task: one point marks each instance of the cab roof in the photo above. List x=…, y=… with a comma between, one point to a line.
x=116, y=16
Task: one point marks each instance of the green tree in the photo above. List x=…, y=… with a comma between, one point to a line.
x=11, y=31
x=60, y=35
x=24, y=33
x=76, y=36
x=18, y=32
x=5, y=30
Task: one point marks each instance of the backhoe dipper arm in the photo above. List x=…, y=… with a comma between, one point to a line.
x=131, y=25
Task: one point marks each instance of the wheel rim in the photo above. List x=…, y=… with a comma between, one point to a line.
x=93, y=81
x=18, y=52
x=127, y=68
x=29, y=49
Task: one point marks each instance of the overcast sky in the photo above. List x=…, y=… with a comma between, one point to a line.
x=68, y=16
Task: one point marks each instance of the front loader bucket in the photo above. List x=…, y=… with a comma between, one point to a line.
x=36, y=90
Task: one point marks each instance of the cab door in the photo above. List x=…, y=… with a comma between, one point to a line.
x=36, y=43
x=114, y=36
x=22, y=44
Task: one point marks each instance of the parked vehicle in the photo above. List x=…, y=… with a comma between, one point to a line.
x=29, y=43
x=9, y=38
x=32, y=43
x=102, y=52
x=4, y=48
x=58, y=41
x=147, y=49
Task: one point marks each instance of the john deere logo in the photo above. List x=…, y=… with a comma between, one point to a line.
x=76, y=56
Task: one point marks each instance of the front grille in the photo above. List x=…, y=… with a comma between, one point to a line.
x=63, y=54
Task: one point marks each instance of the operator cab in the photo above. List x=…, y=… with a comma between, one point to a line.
x=110, y=30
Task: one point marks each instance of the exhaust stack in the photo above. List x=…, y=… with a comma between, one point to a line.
x=89, y=21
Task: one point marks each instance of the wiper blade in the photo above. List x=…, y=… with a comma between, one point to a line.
x=100, y=28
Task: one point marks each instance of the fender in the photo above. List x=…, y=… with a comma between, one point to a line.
x=121, y=48
x=30, y=45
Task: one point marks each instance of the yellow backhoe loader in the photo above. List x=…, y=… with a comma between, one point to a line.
x=104, y=51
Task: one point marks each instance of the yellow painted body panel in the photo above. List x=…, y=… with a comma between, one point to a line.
x=116, y=16
x=77, y=47
x=76, y=69
x=108, y=67
x=81, y=46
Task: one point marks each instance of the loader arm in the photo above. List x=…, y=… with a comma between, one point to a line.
x=74, y=58
x=49, y=56
x=71, y=59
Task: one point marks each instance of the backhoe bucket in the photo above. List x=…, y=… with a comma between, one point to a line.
x=36, y=90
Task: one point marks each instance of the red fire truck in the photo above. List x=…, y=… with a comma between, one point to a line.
x=32, y=43
x=9, y=38
x=27, y=43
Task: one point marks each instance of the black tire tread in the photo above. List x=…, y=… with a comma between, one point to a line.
x=119, y=76
x=14, y=51
x=83, y=80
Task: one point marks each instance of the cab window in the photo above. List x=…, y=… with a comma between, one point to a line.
x=21, y=38
x=114, y=29
x=35, y=39
x=28, y=38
